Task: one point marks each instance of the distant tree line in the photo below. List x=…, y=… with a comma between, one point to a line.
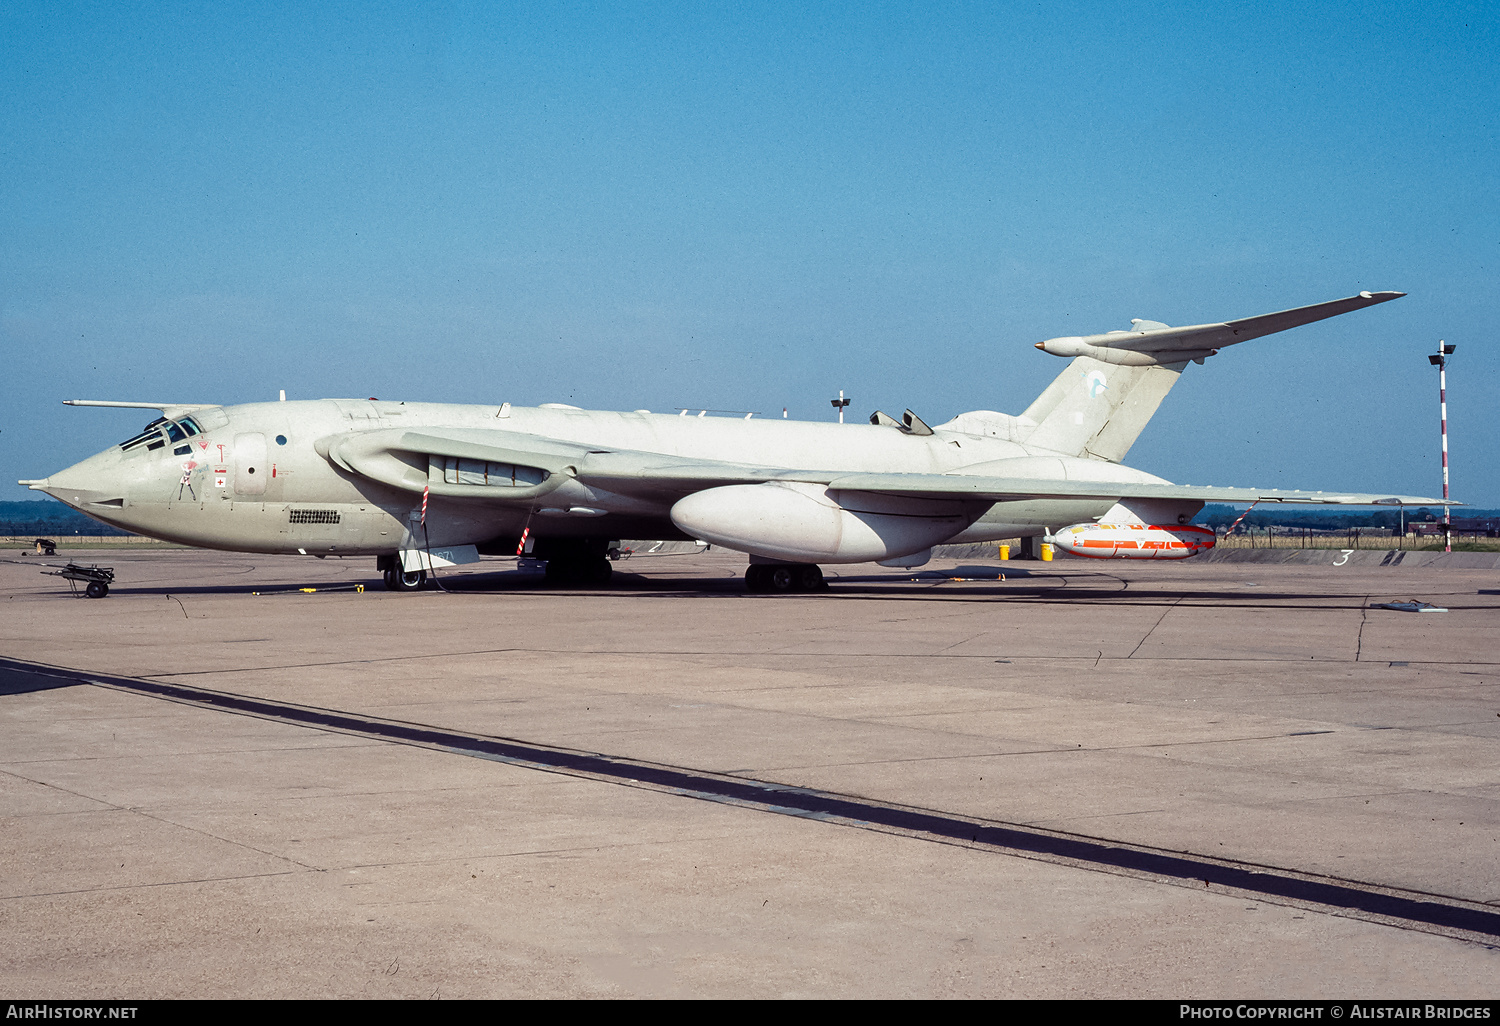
x=46, y=517
x=1221, y=516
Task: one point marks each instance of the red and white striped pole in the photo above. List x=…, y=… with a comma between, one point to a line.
x=1440, y=361
x=1242, y=516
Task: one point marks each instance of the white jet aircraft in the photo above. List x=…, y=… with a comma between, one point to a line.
x=421, y=485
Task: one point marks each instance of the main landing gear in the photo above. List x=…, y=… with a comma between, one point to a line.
x=579, y=570
x=570, y=563
x=576, y=562
x=784, y=577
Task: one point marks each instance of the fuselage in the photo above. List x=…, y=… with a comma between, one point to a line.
x=258, y=478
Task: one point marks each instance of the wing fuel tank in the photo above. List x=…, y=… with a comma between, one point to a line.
x=1134, y=541
x=815, y=524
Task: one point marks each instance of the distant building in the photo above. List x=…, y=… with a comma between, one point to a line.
x=1487, y=526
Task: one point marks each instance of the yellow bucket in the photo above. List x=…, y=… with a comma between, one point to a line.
x=1046, y=552
x=1005, y=552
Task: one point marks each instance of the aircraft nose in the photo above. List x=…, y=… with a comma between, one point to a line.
x=94, y=486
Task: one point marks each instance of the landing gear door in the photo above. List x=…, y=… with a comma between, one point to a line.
x=250, y=467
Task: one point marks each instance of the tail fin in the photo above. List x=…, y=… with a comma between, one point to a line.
x=1098, y=410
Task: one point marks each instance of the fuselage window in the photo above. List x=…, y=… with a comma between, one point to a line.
x=175, y=433
x=182, y=450
x=189, y=425
x=281, y=439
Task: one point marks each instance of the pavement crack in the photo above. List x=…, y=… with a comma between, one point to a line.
x=1155, y=625
x=141, y=886
x=137, y=811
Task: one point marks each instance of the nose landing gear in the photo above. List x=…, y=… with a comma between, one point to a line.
x=402, y=580
x=396, y=578
x=784, y=577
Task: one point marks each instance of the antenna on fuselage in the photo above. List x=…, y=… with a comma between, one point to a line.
x=283, y=395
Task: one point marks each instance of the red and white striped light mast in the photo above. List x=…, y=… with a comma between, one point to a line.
x=1440, y=361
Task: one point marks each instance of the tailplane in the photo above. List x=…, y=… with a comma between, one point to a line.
x=1100, y=405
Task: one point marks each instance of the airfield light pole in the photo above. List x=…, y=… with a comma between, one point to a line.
x=1440, y=361
x=839, y=404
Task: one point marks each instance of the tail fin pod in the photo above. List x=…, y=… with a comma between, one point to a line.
x=1098, y=410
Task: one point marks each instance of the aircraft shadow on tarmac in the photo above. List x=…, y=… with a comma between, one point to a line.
x=985, y=584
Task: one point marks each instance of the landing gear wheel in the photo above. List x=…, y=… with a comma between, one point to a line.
x=782, y=578
x=389, y=576
x=810, y=578
x=600, y=571
x=407, y=580
x=755, y=577
x=96, y=589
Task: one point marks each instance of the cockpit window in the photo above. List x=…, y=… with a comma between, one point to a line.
x=150, y=436
x=147, y=434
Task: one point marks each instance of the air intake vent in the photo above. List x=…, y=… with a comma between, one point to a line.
x=313, y=516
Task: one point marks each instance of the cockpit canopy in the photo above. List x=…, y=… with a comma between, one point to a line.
x=161, y=431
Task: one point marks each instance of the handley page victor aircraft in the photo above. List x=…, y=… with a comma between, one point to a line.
x=419, y=485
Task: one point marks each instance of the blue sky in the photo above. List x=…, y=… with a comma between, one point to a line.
x=661, y=205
